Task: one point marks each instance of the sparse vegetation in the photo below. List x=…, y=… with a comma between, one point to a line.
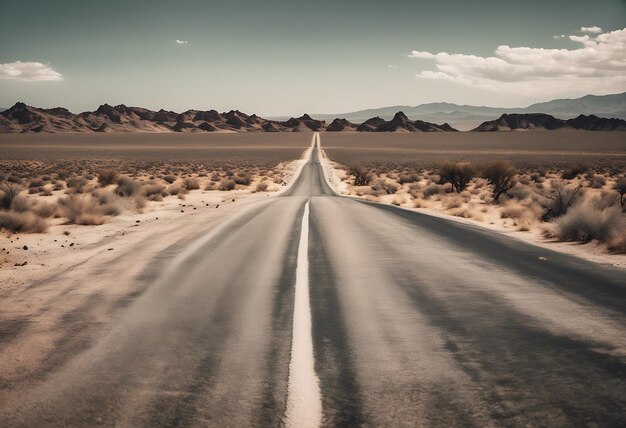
x=80, y=192
x=500, y=174
x=538, y=197
x=458, y=174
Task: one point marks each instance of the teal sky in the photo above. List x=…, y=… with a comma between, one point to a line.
x=290, y=57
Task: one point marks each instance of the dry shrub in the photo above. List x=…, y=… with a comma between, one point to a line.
x=243, y=179
x=26, y=222
x=574, y=171
x=559, y=198
x=36, y=182
x=106, y=176
x=45, y=210
x=83, y=210
x=177, y=189
x=399, y=200
x=525, y=214
x=20, y=204
x=453, y=202
x=592, y=219
x=596, y=181
x=8, y=192
x=77, y=184
x=169, y=178
x=127, y=187
x=191, y=183
x=226, y=185
x=262, y=186
x=500, y=174
x=154, y=191
x=457, y=174
x=434, y=189
x=361, y=176
x=620, y=188
x=384, y=187
x=407, y=178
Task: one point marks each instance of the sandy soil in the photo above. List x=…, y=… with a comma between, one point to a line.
x=492, y=220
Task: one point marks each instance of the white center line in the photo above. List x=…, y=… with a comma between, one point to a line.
x=304, y=401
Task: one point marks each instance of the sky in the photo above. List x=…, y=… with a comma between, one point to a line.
x=289, y=57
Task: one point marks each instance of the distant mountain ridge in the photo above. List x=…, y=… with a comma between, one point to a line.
x=604, y=106
x=541, y=121
x=106, y=118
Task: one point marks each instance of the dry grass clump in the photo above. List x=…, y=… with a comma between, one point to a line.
x=126, y=187
x=22, y=222
x=106, y=176
x=191, y=183
x=262, y=186
x=8, y=192
x=227, y=184
x=593, y=218
x=620, y=188
x=154, y=191
x=77, y=184
x=243, y=178
x=169, y=179
x=83, y=210
x=383, y=187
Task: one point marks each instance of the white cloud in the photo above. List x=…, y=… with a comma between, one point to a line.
x=392, y=67
x=28, y=71
x=598, y=66
x=593, y=29
x=421, y=55
x=182, y=42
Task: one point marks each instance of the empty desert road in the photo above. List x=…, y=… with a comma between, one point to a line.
x=395, y=318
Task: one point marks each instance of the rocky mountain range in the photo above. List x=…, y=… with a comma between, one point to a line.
x=120, y=118
x=22, y=118
x=540, y=121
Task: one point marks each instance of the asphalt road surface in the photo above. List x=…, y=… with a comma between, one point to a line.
x=400, y=319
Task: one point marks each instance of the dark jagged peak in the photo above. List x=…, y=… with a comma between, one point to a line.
x=209, y=127
x=186, y=116
x=270, y=127
x=339, y=125
x=21, y=113
x=370, y=124
x=110, y=112
x=595, y=123
x=292, y=122
x=236, y=119
x=183, y=126
x=305, y=117
x=446, y=127
x=208, y=116
x=522, y=121
x=400, y=117
x=255, y=120
x=164, y=116
x=59, y=112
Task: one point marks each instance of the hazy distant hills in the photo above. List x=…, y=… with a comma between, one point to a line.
x=467, y=116
x=22, y=118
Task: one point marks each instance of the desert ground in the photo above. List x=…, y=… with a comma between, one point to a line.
x=150, y=281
